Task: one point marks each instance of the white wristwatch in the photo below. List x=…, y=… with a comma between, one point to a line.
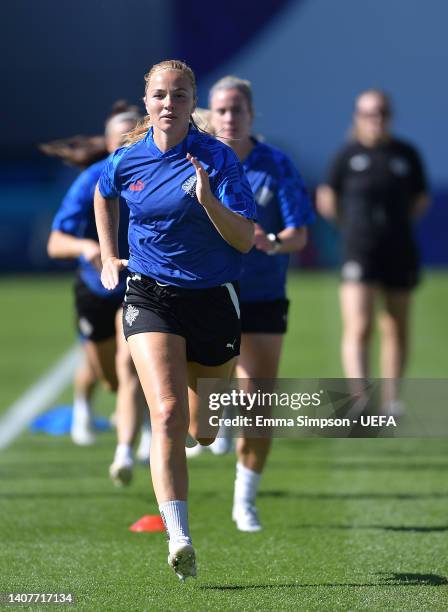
x=276, y=244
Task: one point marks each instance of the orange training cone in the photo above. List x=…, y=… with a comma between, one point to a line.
x=148, y=522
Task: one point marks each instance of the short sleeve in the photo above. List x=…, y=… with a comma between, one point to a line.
x=108, y=183
x=293, y=196
x=76, y=205
x=233, y=190
x=336, y=172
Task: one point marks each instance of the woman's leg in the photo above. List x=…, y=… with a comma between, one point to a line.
x=102, y=357
x=259, y=359
x=84, y=384
x=357, y=309
x=196, y=371
x=160, y=360
x=394, y=327
x=130, y=405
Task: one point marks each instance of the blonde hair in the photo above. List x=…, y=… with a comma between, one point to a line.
x=232, y=82
x=201, y=119
x=139, y=132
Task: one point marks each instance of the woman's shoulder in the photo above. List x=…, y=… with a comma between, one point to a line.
x=209, y=149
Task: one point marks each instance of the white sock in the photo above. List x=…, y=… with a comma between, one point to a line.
x=123, y=453
x=246, y=485
x=175, y=516
x=82, y=410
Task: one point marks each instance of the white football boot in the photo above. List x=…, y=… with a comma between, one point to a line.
x=183, y=561
x=246, y=517
x=194, y=451
x=121, y=472
x=81, y=430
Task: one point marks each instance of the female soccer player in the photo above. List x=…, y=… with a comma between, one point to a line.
x=375, y=188
x=74, y=235
x=283, y=211
x=190, y=221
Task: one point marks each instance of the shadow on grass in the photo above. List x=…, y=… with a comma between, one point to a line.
x=413, y=579
x=411, y=529
x=342, y=496
x=386, y=579
x=392, y=466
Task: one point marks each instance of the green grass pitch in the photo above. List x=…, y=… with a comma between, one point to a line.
x=349, y=524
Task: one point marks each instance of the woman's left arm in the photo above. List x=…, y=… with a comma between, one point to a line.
x=238, y=231
x=288, y=240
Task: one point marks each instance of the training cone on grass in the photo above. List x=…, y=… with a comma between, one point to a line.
x=149, y=522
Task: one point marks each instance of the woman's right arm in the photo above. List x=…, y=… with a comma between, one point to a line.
x=327, y=202
x=107, y=216
x=65, y=246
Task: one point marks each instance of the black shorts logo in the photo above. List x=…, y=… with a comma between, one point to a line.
x=131, y=314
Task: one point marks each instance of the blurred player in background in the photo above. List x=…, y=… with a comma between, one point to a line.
x=106, y=355
x=375, y=189
x=283, y=212
x=191, y=207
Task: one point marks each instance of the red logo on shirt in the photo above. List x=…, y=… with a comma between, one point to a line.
x=138, y=186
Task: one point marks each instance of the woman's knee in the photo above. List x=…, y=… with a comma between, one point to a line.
x=169, y=416
x=359, y=330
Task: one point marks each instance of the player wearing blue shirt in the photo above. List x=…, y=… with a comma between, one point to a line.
x=74, y=235
x=283, y=211
x=191, y=211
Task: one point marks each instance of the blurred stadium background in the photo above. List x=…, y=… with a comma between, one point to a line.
x=359, y=524
x=307, y=59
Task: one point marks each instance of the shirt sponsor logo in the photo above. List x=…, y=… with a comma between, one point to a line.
x=138, y=186
x=359, y=163
x=189, y=186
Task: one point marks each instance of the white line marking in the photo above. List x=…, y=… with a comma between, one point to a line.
x=38, y=397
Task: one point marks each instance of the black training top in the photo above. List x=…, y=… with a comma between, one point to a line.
x=376, y=188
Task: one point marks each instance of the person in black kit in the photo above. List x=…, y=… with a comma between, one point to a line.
x=376, y=188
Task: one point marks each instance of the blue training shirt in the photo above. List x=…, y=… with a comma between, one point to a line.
x=282, y=201
x=76, y=217
x=171, y=237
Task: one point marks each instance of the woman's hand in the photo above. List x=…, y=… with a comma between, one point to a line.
x=203, y=191
x=261, y=241
x=91, y=253
x=110, y=274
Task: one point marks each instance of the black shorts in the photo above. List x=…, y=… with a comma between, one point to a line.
x=95, y=314
x=270, y=317
x=397, y=270
x=208, y=319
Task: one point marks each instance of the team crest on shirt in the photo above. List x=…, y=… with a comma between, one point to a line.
x=131, y=314
x=359, y=162
x=189, y=186
x=399, y=166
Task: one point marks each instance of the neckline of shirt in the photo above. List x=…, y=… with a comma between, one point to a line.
x=256, y=146
x=180, y=150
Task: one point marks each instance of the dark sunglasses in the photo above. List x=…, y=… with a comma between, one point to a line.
x=383, y=113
